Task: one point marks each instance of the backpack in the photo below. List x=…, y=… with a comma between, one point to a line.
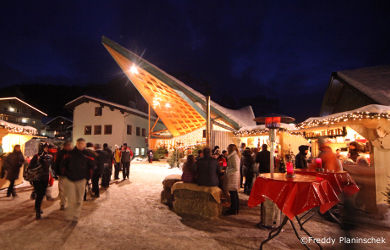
x=33, y=174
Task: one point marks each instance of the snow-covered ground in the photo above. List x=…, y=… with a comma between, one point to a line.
x=129, y=215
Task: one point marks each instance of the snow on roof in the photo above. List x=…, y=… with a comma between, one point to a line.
x=15, y=128
x=374, y=82
x=25, y=103
x=369, y=109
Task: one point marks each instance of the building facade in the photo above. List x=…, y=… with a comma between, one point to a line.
x=16, y=111
x=100, y=121
x=60, y=127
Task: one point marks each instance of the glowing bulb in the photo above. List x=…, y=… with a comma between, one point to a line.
x=11, y=109
x=168, y=105
x=133, y=69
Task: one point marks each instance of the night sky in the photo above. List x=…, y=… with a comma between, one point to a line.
x=280, y=49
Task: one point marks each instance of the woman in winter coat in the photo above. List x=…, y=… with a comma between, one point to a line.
x=188, y=176
x=12, y=165
x=45, y=159
x=232, y=178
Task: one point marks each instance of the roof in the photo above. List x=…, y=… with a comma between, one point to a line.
x=374, y=82
x=157, y=87
x=366, y=112
x=122, y=108
x=59, y=117
x=18, y=129
x=25, y=103
x=260, y=127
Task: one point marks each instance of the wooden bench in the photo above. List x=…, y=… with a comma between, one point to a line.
x=189, y=198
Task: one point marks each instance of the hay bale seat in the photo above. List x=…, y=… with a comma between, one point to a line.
x=168, y=182
x=188, y=199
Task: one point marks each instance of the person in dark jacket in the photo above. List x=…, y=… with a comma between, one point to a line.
x=126, y=156
x=12, y=165
x=77, y=166
x=44, y=159
x=263, y=158
x=107, y=172
x=57, y=169
x=248, y=162
x=100, y=161
x=300, y=158
x=206, y=170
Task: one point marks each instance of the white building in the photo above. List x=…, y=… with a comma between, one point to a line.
x=100, y=121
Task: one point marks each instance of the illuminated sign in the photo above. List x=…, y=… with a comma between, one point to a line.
x=326, y=133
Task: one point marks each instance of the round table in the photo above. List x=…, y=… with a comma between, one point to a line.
x=293, y=196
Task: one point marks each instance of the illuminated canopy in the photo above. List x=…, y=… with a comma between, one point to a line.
x=173, y=101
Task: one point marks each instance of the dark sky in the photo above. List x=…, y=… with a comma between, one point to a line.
x=280, y=49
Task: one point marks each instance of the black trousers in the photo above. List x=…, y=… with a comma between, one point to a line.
x=95, y=184
x=126, y=170
x=40, y=191
x=117, y=167
x=241, y=176
x=248, y=182
x=234, y=207
x=11, y=188
x=106, y=180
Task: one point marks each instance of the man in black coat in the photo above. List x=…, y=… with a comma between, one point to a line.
x=61, y=178
x=107, y=172
x=12, y=165
x=263, y=158
x=207, y=170
x=101, y=162
x=77, y=166
x=300, y=159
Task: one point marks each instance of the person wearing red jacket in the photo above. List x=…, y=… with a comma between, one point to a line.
x=126, y=156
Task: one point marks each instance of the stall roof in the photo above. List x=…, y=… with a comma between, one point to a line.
x=18, y=129
x=260, y=127
x=366, y=112
x=171, y=99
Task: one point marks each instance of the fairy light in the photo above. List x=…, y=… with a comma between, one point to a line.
x=13, y=128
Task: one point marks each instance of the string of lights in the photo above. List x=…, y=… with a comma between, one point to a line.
x=13, y=128
x=343, y=118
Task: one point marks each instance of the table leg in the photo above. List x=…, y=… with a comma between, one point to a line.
x=296, y=233
x=335, y=218
x=278, y=229
x=306, y=213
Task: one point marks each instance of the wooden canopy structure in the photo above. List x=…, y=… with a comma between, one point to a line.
x=179, y=107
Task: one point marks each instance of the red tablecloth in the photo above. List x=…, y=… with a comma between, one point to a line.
x=293, y=196
x=341, y=182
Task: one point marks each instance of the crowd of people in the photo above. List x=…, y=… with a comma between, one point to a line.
x=227, y=170
x=75, y=168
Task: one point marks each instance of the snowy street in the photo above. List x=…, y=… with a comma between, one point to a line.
x=129, y=215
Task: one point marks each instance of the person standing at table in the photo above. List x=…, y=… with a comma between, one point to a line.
x=329, y=160
x=12, y=165
x=248, y=166
x=263, y=158
x=126, y=156
x=232, y=178
x=300, y=159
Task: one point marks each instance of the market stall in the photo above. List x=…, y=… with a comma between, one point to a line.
x=286, y=144
x=361, y=140
x=11, y=135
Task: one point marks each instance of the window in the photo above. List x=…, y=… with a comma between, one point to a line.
x=107, y=129
x=98, y=111
x=142, y=151
x=87, y=130
x=138, y=131
x=136, y=151
x=129, y=129
x=143, y=132
x=98, y=130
